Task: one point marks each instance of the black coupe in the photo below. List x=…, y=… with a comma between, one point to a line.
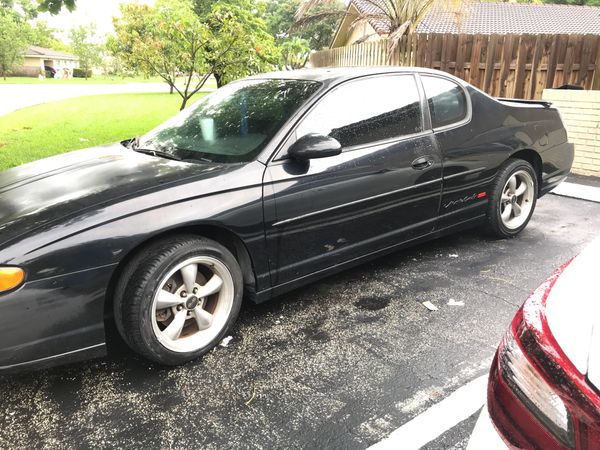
x=265, y=185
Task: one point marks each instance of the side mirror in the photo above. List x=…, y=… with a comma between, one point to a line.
x=314, y=146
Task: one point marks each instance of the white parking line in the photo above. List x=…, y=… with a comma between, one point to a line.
x=485, y=436
x=438, y=419
x=580, y=191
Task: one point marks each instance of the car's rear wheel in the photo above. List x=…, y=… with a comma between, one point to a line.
x=180, y=298
x=513, y=198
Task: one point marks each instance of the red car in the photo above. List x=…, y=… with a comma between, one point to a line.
x=544, y=385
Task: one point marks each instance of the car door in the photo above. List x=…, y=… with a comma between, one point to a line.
x=383, y=189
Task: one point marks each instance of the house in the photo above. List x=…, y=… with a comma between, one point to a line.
x=37, y=60
x=472, y=18
x=349, y=32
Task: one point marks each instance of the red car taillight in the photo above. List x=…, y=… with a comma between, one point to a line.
x=534, y=392
x=536, y=396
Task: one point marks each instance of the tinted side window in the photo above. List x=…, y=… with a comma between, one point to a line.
x=366, y=111
x=447, y=101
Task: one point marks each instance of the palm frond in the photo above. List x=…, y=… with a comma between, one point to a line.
x=307, y=5
x=362, y=18
x=364, y=39
x=394, y=39
x=304, y=20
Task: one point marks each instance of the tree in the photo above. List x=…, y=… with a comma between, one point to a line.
x=239, y=44
x=84, y=45
x=171, y=38
x=43, y=36
x=13, y=41
x=164, y=40
x=318, y=31
x=25, y=9
x=295, y=53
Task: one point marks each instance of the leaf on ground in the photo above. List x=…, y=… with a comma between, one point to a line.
x=430, y=306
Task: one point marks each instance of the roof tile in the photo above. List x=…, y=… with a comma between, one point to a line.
x=41, y=51
x=497, y=18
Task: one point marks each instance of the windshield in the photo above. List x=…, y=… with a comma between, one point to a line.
x=231, y=125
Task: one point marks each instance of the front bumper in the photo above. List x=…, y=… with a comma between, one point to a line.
x=54, y=320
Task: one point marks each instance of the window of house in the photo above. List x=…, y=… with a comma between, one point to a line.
x=447, y=101
x=366, y=111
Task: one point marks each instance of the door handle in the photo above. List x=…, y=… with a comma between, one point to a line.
x=422, y=163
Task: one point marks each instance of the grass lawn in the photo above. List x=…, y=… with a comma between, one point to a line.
x=52, y=128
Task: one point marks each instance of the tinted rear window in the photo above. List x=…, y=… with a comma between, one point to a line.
x=447, y=101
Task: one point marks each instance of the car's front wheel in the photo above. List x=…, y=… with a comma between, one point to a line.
x=178, y=298
x=513, y=198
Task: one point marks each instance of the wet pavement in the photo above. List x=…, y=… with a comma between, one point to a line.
x=338, y=364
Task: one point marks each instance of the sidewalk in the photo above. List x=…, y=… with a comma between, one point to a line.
x=578, y=186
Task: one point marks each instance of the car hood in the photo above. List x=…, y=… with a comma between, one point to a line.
x=573, y=312
x=38, y=194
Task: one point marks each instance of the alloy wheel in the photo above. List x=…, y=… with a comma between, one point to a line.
x=517, y=199
x=193, y=304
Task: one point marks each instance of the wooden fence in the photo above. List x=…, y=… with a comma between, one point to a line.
x=517, y=66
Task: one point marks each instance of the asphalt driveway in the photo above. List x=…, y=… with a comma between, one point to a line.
x=339, y=364
x=18, y=96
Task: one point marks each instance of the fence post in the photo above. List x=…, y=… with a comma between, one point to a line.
x=586, y=55
x=596, y=82
x=535, y=62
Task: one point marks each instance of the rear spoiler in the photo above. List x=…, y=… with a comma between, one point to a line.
x=529, y=102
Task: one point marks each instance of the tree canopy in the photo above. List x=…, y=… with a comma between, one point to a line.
x=84, y=44
x=164, y=40
x=33, y=6
x=294, y=53
x=224, y=39
x=13, y=41
x=239, y=44
x=44, y=36
x=55, y=6
x=318, y=31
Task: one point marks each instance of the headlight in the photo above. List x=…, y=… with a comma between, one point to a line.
x=11, y=278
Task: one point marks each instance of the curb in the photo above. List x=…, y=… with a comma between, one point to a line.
x=579, y=191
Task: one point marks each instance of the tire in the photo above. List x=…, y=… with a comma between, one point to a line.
x=513, y=198
x=157, y=316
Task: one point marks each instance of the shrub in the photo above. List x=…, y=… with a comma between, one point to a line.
x=80, y=73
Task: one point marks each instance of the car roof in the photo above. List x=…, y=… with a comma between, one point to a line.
x=333, y=74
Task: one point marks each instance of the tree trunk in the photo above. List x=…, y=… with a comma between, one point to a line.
x=219, y=79
x=184, y=103
x=172, y=86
